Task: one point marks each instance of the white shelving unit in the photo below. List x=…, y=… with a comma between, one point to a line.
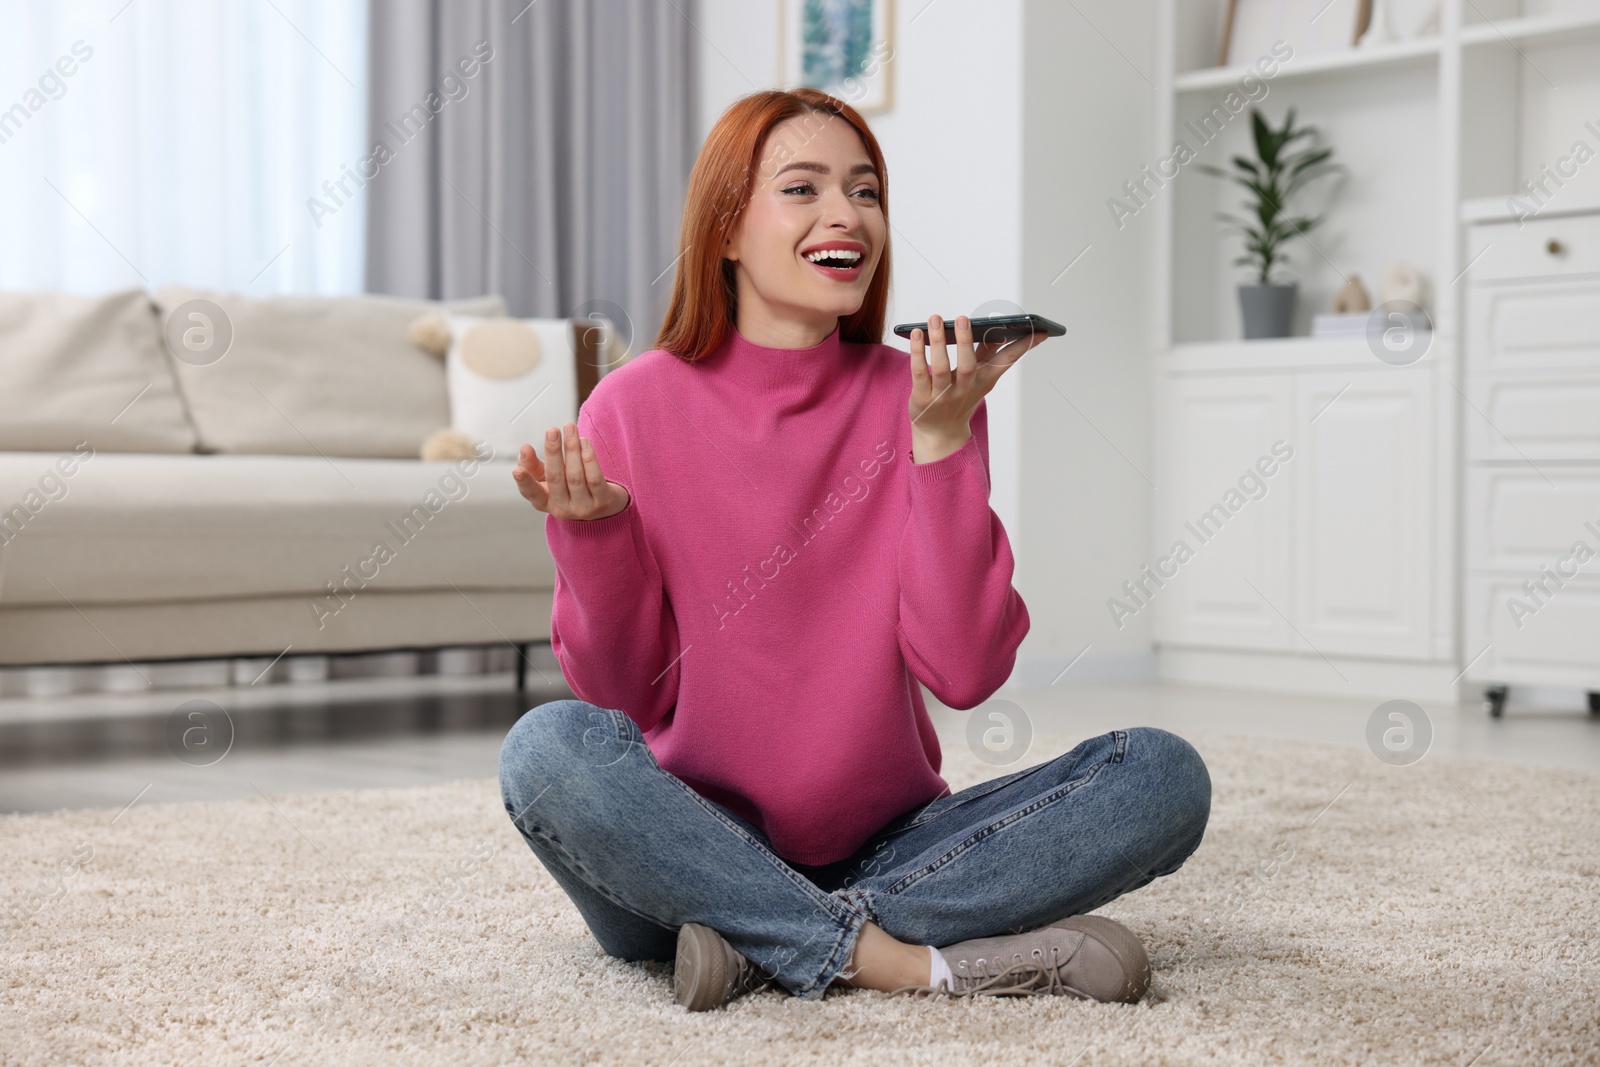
x=1190, y=81
x=1566, y=25
x=1496, y=98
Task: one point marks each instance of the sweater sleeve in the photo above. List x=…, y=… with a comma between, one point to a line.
x=960, y=620
x=611, y=627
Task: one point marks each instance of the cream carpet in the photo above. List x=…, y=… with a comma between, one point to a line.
x=1340, y=911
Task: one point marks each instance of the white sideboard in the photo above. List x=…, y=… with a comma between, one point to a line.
x=1334, y=558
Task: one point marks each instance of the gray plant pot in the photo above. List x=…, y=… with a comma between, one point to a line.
x=1267, y=310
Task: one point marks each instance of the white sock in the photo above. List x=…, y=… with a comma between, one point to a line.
x=940, y=969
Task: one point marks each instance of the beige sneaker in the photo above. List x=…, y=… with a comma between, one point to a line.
x=709, y=972
x=1085, y=956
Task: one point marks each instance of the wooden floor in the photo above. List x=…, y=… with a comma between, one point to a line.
x=105, y=751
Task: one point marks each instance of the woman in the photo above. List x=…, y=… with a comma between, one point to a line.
x=767, y=532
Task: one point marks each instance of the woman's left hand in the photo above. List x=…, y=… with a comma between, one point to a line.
x=942, y=401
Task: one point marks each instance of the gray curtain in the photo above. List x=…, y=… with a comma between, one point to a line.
x=553, y=174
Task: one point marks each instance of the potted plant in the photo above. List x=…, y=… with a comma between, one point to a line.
x=1275, y=175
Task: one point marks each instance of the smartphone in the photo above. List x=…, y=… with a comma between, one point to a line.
x=993, y=329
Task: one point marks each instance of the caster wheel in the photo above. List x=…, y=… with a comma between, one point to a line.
x=1594, y=703
x=1494, y=700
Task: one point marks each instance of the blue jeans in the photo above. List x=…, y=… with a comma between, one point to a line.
x=640, y=853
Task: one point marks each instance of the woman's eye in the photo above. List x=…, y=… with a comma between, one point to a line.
x=806, y=188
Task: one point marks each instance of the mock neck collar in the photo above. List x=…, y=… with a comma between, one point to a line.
x=792, y=374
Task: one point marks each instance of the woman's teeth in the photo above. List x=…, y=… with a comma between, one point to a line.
x=838, y=258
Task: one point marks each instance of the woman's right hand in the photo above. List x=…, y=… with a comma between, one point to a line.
x=568, y=483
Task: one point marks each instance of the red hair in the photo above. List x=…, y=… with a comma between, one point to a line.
x=704, y=296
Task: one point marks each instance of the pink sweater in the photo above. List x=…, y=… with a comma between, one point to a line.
x=782, y=578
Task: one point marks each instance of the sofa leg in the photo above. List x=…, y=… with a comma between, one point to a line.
x=522, y=667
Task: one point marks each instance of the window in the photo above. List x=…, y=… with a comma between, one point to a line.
x=144, y=142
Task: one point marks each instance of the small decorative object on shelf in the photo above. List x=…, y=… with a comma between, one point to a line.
x=1252, y=27
x=1380, y=29
x=1272, y=178
x=1348, y=314
x=1353, y=297
x=1401, y=281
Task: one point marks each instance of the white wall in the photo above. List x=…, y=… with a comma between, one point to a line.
x=988, y=209
x=736, y=53
x=1089, y=107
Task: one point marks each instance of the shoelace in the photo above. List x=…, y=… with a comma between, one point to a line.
x=1049, y=974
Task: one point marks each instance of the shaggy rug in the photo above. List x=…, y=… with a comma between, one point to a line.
x=1340, y=911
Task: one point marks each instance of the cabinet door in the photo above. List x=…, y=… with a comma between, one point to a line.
x=1364, y=441
x=1234, y=589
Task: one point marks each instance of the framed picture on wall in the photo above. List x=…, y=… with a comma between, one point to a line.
x=839, y=46
x=1253, y=26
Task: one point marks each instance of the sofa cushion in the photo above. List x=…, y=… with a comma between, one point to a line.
x=119, y=527
x=87, y=369
x=309, y=375
x=509, y=379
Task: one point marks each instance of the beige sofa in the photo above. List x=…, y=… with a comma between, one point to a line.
x=158, y=508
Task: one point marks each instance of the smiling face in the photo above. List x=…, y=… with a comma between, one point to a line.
x=814, y=202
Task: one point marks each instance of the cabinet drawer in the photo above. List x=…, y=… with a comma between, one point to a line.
x=1537, y=248
x=1549, y=325
x=1516, y=521
x=1556, y=643
x=1534, y=416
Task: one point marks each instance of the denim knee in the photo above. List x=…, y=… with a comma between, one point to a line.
x=1179, y=777
x=537, y=746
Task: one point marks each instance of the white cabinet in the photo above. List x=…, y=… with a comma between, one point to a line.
x=1332, y=552
x=1532, y=505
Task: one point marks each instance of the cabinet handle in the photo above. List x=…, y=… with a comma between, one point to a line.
x=1554, y=247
